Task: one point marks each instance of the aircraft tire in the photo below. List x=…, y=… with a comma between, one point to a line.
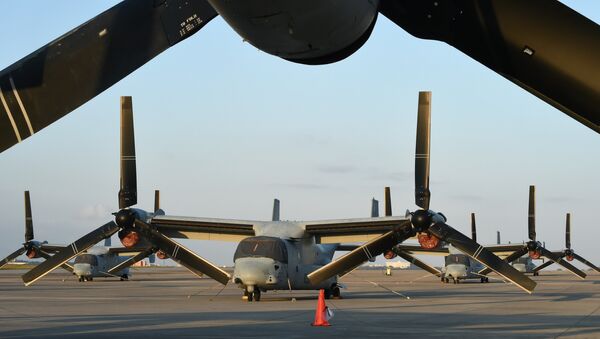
x=256, y=295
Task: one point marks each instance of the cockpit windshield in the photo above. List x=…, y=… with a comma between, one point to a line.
x=262, y=247
x=87, y=259
x=521, y=260
x=453, y=259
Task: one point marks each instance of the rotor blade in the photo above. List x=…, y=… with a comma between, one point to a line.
x=582, y=260
x=542, y=266
x=531, y=215
x=498, y=237
x=28, y=219
x=559, y=260
x=388, y=202
x=481, y=254
x=131, y=260
x=374, y=208
x=128, y=191
x=568, y=232
x=422, y=193
x=509, y=259
x=70, y=251
x=12, y=256
x=275, y=216
x=184, y=256
x=360, y=255
x=156, y=200
x=542, y=46
x=473, y=228
x=413, y=260
x=69, y=71
x=47, y=256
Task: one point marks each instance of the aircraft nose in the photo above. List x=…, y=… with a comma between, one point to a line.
x=456, y=271
x=82, y=270
x=254, y=271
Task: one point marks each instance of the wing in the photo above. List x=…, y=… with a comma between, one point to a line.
x=204, y=228
x=351, y=230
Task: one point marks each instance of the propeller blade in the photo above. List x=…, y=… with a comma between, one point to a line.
x=184, y=256
x=128, y=191
x=481, y=254
x=47, y=256
x=568, y=232
x=582, y=260
x=498, y=237
x=361, y=254
x=388, y=202
x=12, y=256
x=422, y=193
x=156, y=200
x=28, y=218
x=542, y=266
x=531, y=216
x=131, y=260
x=559, y=260
x=374, y=208
x=413, y=260
x=64, y=255
x=509, y=259
x=69, y=71
x=523, y=41
x=275, y=210
x=473, y=228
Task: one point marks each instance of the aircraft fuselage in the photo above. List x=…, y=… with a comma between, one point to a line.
x=310, y=32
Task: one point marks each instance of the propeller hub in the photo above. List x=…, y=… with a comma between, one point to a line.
x=421, y=220
x=125, y=218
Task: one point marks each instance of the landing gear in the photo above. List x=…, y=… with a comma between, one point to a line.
x=446, y=280
x=535, y=274
x=124, y=277
x=336, y=293
x=251, y=294
x=256, y=295
x=485, y=280
x=454, y=280
x=80, y=279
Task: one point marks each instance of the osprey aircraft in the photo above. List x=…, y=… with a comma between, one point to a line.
x=98, y=261
x=568, y=253
x=542, y=46
x=276, y=254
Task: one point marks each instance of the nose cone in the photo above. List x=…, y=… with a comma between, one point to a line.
x=456, y=271
x=254, y=271
x=82, y=270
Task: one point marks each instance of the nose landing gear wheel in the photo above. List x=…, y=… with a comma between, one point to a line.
x=256, y=295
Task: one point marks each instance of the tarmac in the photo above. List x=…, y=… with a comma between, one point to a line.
x=171, y=302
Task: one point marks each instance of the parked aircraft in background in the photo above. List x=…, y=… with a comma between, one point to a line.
x=568, y=253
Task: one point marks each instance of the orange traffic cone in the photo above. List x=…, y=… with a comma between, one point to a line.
x=322, y=314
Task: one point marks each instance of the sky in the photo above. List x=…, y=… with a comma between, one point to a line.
x=223, y=128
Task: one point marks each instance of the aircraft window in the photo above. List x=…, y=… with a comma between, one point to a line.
x=262, y=247
x=457, y=259
x=87, y=259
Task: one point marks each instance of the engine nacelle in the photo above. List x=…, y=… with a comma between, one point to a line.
x=129, y=238
x=389, y=255
x=535, y=254
x=32, y=253
x=428, y=241
x=570, y=258
x=161, y=255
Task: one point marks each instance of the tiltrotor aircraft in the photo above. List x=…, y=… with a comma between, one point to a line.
x=97, y=261
x=279, y=254
x=542, y=46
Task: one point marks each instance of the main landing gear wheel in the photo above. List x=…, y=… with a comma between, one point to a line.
x=124, y=277
x=535, y=274
x=446, y=280
x=80, y=279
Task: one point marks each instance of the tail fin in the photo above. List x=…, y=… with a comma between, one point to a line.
x=374, y=208
x=275, y=210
